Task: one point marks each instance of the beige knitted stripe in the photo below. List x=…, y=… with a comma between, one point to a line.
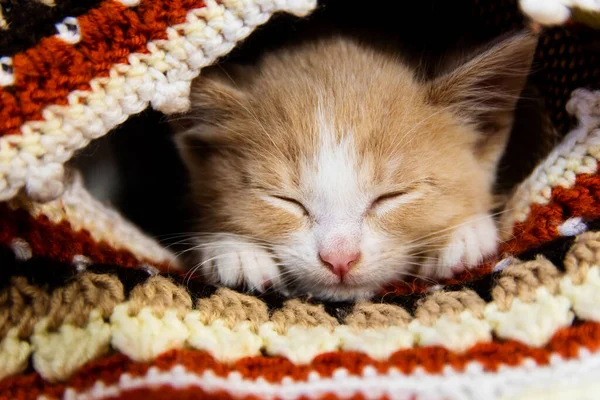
x=520, y=280
x=450, y=304
x=584, y=254
x=296, y=312
x=159, y=294
x=377, y=315
x=232, y=307
x=22, y=304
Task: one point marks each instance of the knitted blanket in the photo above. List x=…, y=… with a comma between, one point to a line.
x=91, y=308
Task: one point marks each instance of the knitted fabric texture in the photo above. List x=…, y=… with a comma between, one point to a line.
x=92, y=308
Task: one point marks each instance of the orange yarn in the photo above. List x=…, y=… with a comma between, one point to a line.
x=46, y=73
x=543, y=221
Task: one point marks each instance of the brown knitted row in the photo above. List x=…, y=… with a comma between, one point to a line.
x=22, y=304
x=566, y=343
x=46, y=73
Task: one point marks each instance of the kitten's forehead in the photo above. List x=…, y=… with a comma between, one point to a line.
x=331, y=173
x=347, y=130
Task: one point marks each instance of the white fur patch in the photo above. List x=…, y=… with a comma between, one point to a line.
x=467, y=247
x=232, y=261
x=338, y=204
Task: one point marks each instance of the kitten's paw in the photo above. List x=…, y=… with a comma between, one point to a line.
x=469, y=244
x=232, y=263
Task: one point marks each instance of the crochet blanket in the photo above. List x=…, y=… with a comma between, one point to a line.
x=91, y=308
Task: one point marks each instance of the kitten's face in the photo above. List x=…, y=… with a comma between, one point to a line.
x=350, y=173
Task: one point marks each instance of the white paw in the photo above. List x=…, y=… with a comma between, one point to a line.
x=469, y=244
x=233, y=262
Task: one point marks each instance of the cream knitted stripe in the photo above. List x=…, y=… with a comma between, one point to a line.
x=161, y=78
x=578, y=153
x=474, y=383
x=534, y=323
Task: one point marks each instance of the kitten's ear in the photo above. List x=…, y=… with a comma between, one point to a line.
x=215, y=98
x=485, y=89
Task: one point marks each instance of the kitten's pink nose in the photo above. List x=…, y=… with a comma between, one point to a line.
x=339, y=263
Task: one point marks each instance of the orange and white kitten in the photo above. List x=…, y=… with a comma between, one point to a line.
x=331, y=169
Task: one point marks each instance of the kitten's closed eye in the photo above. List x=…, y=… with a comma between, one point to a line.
x=391, y=200
x=288, y=203
x=387, y=197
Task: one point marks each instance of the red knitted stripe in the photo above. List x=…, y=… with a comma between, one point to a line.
x=59, y=241
x=415, y=285
x=168, y=392
x=195, y=393
x=566, y=342
x=541, y=226
x=46, y=73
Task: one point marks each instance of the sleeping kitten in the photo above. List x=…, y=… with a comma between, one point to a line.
x=331, y=169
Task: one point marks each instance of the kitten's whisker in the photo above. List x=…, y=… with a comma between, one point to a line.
x=467, y=222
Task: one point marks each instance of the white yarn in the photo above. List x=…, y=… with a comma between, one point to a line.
x=68, y=30
x=584, y=296
x=161, y=78
x=585, y=105
x=130, y=3
x=46, y=183
x=572, y=227
x=547, y=12
x=21, y=248
x=7, y=76
x=81, y=262
x=556, y=12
